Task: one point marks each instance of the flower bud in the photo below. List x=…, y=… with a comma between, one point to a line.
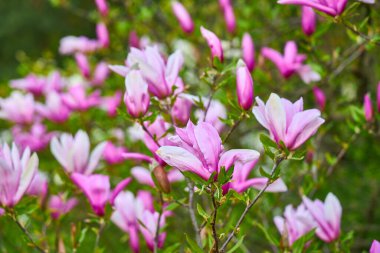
x=83, y=64
x=134, y=40
x=308, y=20
x=161, y=179
x=136, y=96
x=248, y=50
x=183, y=17
x=244, y=86
x=319, y=97
x=230, y=19
x=214, y=43
x=181, y=111
x=102, y=34
x=102, y=7
x=368, y=111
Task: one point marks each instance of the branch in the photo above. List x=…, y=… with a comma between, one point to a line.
x=146, y=130
x=156, y=236
x=270, y=181
x=236, y=124
x=357, y=32
x=192, y=213
x=213, y=222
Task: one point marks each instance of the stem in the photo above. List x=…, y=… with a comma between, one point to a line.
x=236, y=124
x=101, y=228
x=270, y=181
x=156, y=236
x=192, y=213
x=357, y=32
x=209, y=104
x=26, y=232
x=146, y=130
x=213, y=222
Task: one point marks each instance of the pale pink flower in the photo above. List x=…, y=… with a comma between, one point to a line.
x=111, y=103
x=375, y=247
x=244, y=86
x=183, y=17
x=102, y=34
x=18, y=108
x=58, y=206
x=77, y=99
x=332, y=8
x=144, y=176
x=82, y=44
x=136, y=97
x=54, y=108
x=214, y=44
x=36, y=138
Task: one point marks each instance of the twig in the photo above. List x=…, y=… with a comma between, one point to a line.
x=156, y=236
x=26, y=232
x=146, y=130
x=357, y=32
x=192, y=213
x=236, y=124
x=213, y=222
x=209, y=104
x=101, y=227
x=231, y=235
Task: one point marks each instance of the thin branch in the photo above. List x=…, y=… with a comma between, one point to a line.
x=236, y=124
x=146, y=130
x=213, y=222
x=101, y=228
x=156, y=236
x=357, y=32
x=209, y=104
x=231, y=235
x=192, y=213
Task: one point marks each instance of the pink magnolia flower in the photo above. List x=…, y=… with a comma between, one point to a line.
x=181, y=111
x=73, y=153
x=326, y=215
x=286, y=121
x=367, y=105
x=148, y=228
x=115, y=155
x=54, y=108
x=134, y=40
x=58, y=206
x=295, y=223
x=31, y=83
x=375, y=247
x=368, y=2
x=144, y=176
x=229, y=18
x=319, y=97
x=214, y=43
x=39, y=185
x=97, y=189
x=291, y=62
x=196, y=148
x=102, y=34
x=83, y=64
x=244, y=86
x=332, y=8
x=102, y=7
x=309, y=19
x=136, y=97
x=111, y=103
x=82, y=44
x=18, y=108
x=244, y=160
x=2, y=212
x=183, y=17
x=248, y=51
x=36, y=138
x=77, y=99
x=16, y=173
x=100, y=74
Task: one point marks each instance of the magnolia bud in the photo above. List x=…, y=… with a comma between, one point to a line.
x=368, y=111
x=308, y=20
x=244, y=86
x=161, y=179
x=183, y=17
x=214, y=43
x=248, y=51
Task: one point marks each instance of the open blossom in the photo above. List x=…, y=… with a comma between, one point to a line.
x=77, y=99
x=36, y=138
x=248, y=51
x=136, y=97
x=18, y=108
x=38, y=85
x=181, y=111
x=244, y=160
x=82, y=44
x=54, y=108
x=291, y=62
x=295, y=223
x=161, y=76
x=244, y=86
x=73, y=153
x=196, y=148
x=214, y=43
x=111, y=103
x=368, y=111
x=102, y=34
x=115, y=155
x=101, y=73
x=16, y=173
x=327, y=216
x=183, y=17
x=97, y=189
x=148, y=228
x=39, y=185
x=375, y=247
x=309, y=18
x=83, y=64
x=58, y=206
x=287, y=121
x=144, y=176
x=332, y=8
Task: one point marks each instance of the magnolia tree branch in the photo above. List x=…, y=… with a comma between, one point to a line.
x=192, y=213
x=236, y=124
x=156, y=236
x=213, y=222
x=357, y=32
x=270, y=181
x=146, y=130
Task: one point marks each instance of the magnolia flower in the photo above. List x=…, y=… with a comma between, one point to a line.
x=375, y=247
x=214, y=43
x=36, y=138
x=181, y=111
x=58, y=206
x=39, y=185
x=309, y=18
x=111, y=103
x=73, y=153
x=368, y=2
x=115, y=155
x=144, y=176
x=332, y=8
x=148, y=228
x=291, y=62
x=54, y=108
x=102, y=34
x=244, y=160
x=136, y=97
x=133, y=40
x=244, y=86
x=77, y=99
x=97, y=189
x=295, y=223
x=248, y=51
x=101, y=73
x=18, y=108
x=183, y=17
x=83, y=64
x=319, y=97
x=82, y=44
x=229, y=17
x=31, y=83
x=102, y=7
x=367, y=106
x=287, y=122
x=326, y=215
x=16, y=173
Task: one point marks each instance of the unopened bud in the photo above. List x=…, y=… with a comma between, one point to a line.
x=161, y=179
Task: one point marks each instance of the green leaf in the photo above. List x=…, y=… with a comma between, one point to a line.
x=193, y=245
x=237, y=245
x=264, y=173
x=172, y=206
x=267, y=142
x=172, y=248
x=82, y=236
x=299, y=245
x=202, y=212
x=197, y=180
x=268, y=236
